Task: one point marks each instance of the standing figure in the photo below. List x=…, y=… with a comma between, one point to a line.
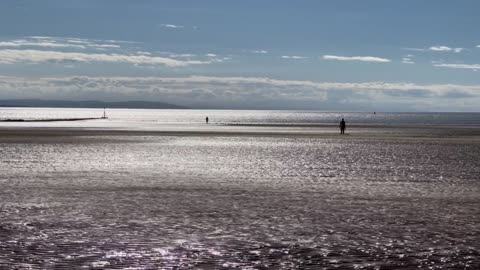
x=206, y=119
x=342, y=126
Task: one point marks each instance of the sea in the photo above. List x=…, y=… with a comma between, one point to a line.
x=162, y=189
x=149, y=118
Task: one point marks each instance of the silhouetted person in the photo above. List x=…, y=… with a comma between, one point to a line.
x=206, y=119
x=342, y=126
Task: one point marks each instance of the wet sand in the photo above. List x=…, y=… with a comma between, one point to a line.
x=381, y=132
x=240, y=198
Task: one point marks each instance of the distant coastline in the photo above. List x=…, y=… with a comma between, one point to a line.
x=41, y=103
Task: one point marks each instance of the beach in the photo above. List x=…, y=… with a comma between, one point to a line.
x=243, y=135
x=240, y=197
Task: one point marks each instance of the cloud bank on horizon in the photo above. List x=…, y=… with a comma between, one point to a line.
x=247, y=92
x=206, y=55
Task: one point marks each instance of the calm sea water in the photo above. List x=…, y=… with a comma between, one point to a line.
x=238, y=202
x=152, y=118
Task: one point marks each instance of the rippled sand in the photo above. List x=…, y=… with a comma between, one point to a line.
x=239, y=199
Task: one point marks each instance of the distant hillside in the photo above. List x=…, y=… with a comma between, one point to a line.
x=87, y=104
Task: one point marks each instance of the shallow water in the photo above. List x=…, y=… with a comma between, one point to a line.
x=155, y=119
x=171, y=202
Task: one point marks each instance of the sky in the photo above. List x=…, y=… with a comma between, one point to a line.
x=342, y=55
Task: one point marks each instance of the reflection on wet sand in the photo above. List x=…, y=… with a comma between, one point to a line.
x=122, y=199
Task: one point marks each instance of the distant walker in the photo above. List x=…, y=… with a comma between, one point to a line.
x=206, y=119
x=342, y=126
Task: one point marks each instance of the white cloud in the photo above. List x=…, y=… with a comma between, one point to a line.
x=75, y=40
x=408, y=59
x=78, y=41
x=445, y=49
x=26, y=43
x=171, y=26
x=182, y=55
x=437, y=49
x=460, y=66
x=260, y=51
x=293, y=57
x=119, y=41
x=211, y=55
x=356, y=58
x=57, y=43
x=324, y=85
x=40, y=37
x=440, y=48
x=235, y=92
x=8, y=56
x=104, y=45
x=199, y=80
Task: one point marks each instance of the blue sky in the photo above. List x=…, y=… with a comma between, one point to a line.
x=344, y=55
